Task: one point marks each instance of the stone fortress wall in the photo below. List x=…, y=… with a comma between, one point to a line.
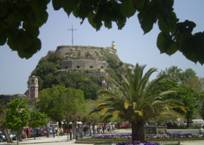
x=83, y=57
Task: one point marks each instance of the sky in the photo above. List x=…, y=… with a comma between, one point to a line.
x=132, y=45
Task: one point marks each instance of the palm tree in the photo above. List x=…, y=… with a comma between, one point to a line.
x=135, y=102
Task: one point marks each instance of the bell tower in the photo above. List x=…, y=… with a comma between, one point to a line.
x=33, y=88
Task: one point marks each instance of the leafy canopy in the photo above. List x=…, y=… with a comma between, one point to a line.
x=186, y=77
x=189, y=98
x=17, y=114
x=188, y=87
x=21, y=20
x=61, y=103
x=37, y=119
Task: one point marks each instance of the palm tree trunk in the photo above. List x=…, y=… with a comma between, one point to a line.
x=138, y=133
x=189, y=116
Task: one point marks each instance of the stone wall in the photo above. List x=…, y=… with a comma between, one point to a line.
x=83, y=57
x=83, y=64
x=88, y=52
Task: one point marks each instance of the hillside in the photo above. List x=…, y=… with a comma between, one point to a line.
x=83, y=67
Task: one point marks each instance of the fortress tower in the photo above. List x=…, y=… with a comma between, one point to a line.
x=114, y=45
x=33, y=88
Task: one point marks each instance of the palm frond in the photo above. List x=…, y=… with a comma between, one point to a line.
x=137, y=76
x=134, y=105
x=169, y=92
x=135, y=99
x=102, y=105
x=106, y=93
x=152, y=84
x=145, y=79
x=157, y=102
x=139, y=113
x=95, y=110
x=107, y=117
x=169, y=114
x=126, y=103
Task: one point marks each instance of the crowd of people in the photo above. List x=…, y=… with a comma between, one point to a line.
x=79, y=130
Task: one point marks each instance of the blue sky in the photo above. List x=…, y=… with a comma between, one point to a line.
x=133, y=46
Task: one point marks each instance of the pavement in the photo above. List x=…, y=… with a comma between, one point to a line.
x=195, y=142
x=59, y=140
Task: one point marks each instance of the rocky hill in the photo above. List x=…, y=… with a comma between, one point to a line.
x=83, y=67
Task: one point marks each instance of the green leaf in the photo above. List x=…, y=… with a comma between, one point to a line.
x=127, y=8
x=193, y=47
x=2, y=39
x=25, y=44
x=165, y=44
x=121, y=23
x=139, y=113
x=139, y=4
x=186, y=26
x=126, y=104
x=69, y=5
x=170, y=3
x=108, y=24
x=38, y=14
x=134, y=105
x=116, y=113
x=92, y=20
x=168, y=23
x=57, y=4
x=146, y=19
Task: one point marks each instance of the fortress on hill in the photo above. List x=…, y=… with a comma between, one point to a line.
x=90, y=60
x=77, y=58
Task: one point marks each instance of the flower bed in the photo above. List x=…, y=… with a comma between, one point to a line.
x=138, y=143
x=123, y=135
x=115, y=135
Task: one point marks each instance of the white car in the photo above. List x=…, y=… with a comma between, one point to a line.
x=2, y=137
